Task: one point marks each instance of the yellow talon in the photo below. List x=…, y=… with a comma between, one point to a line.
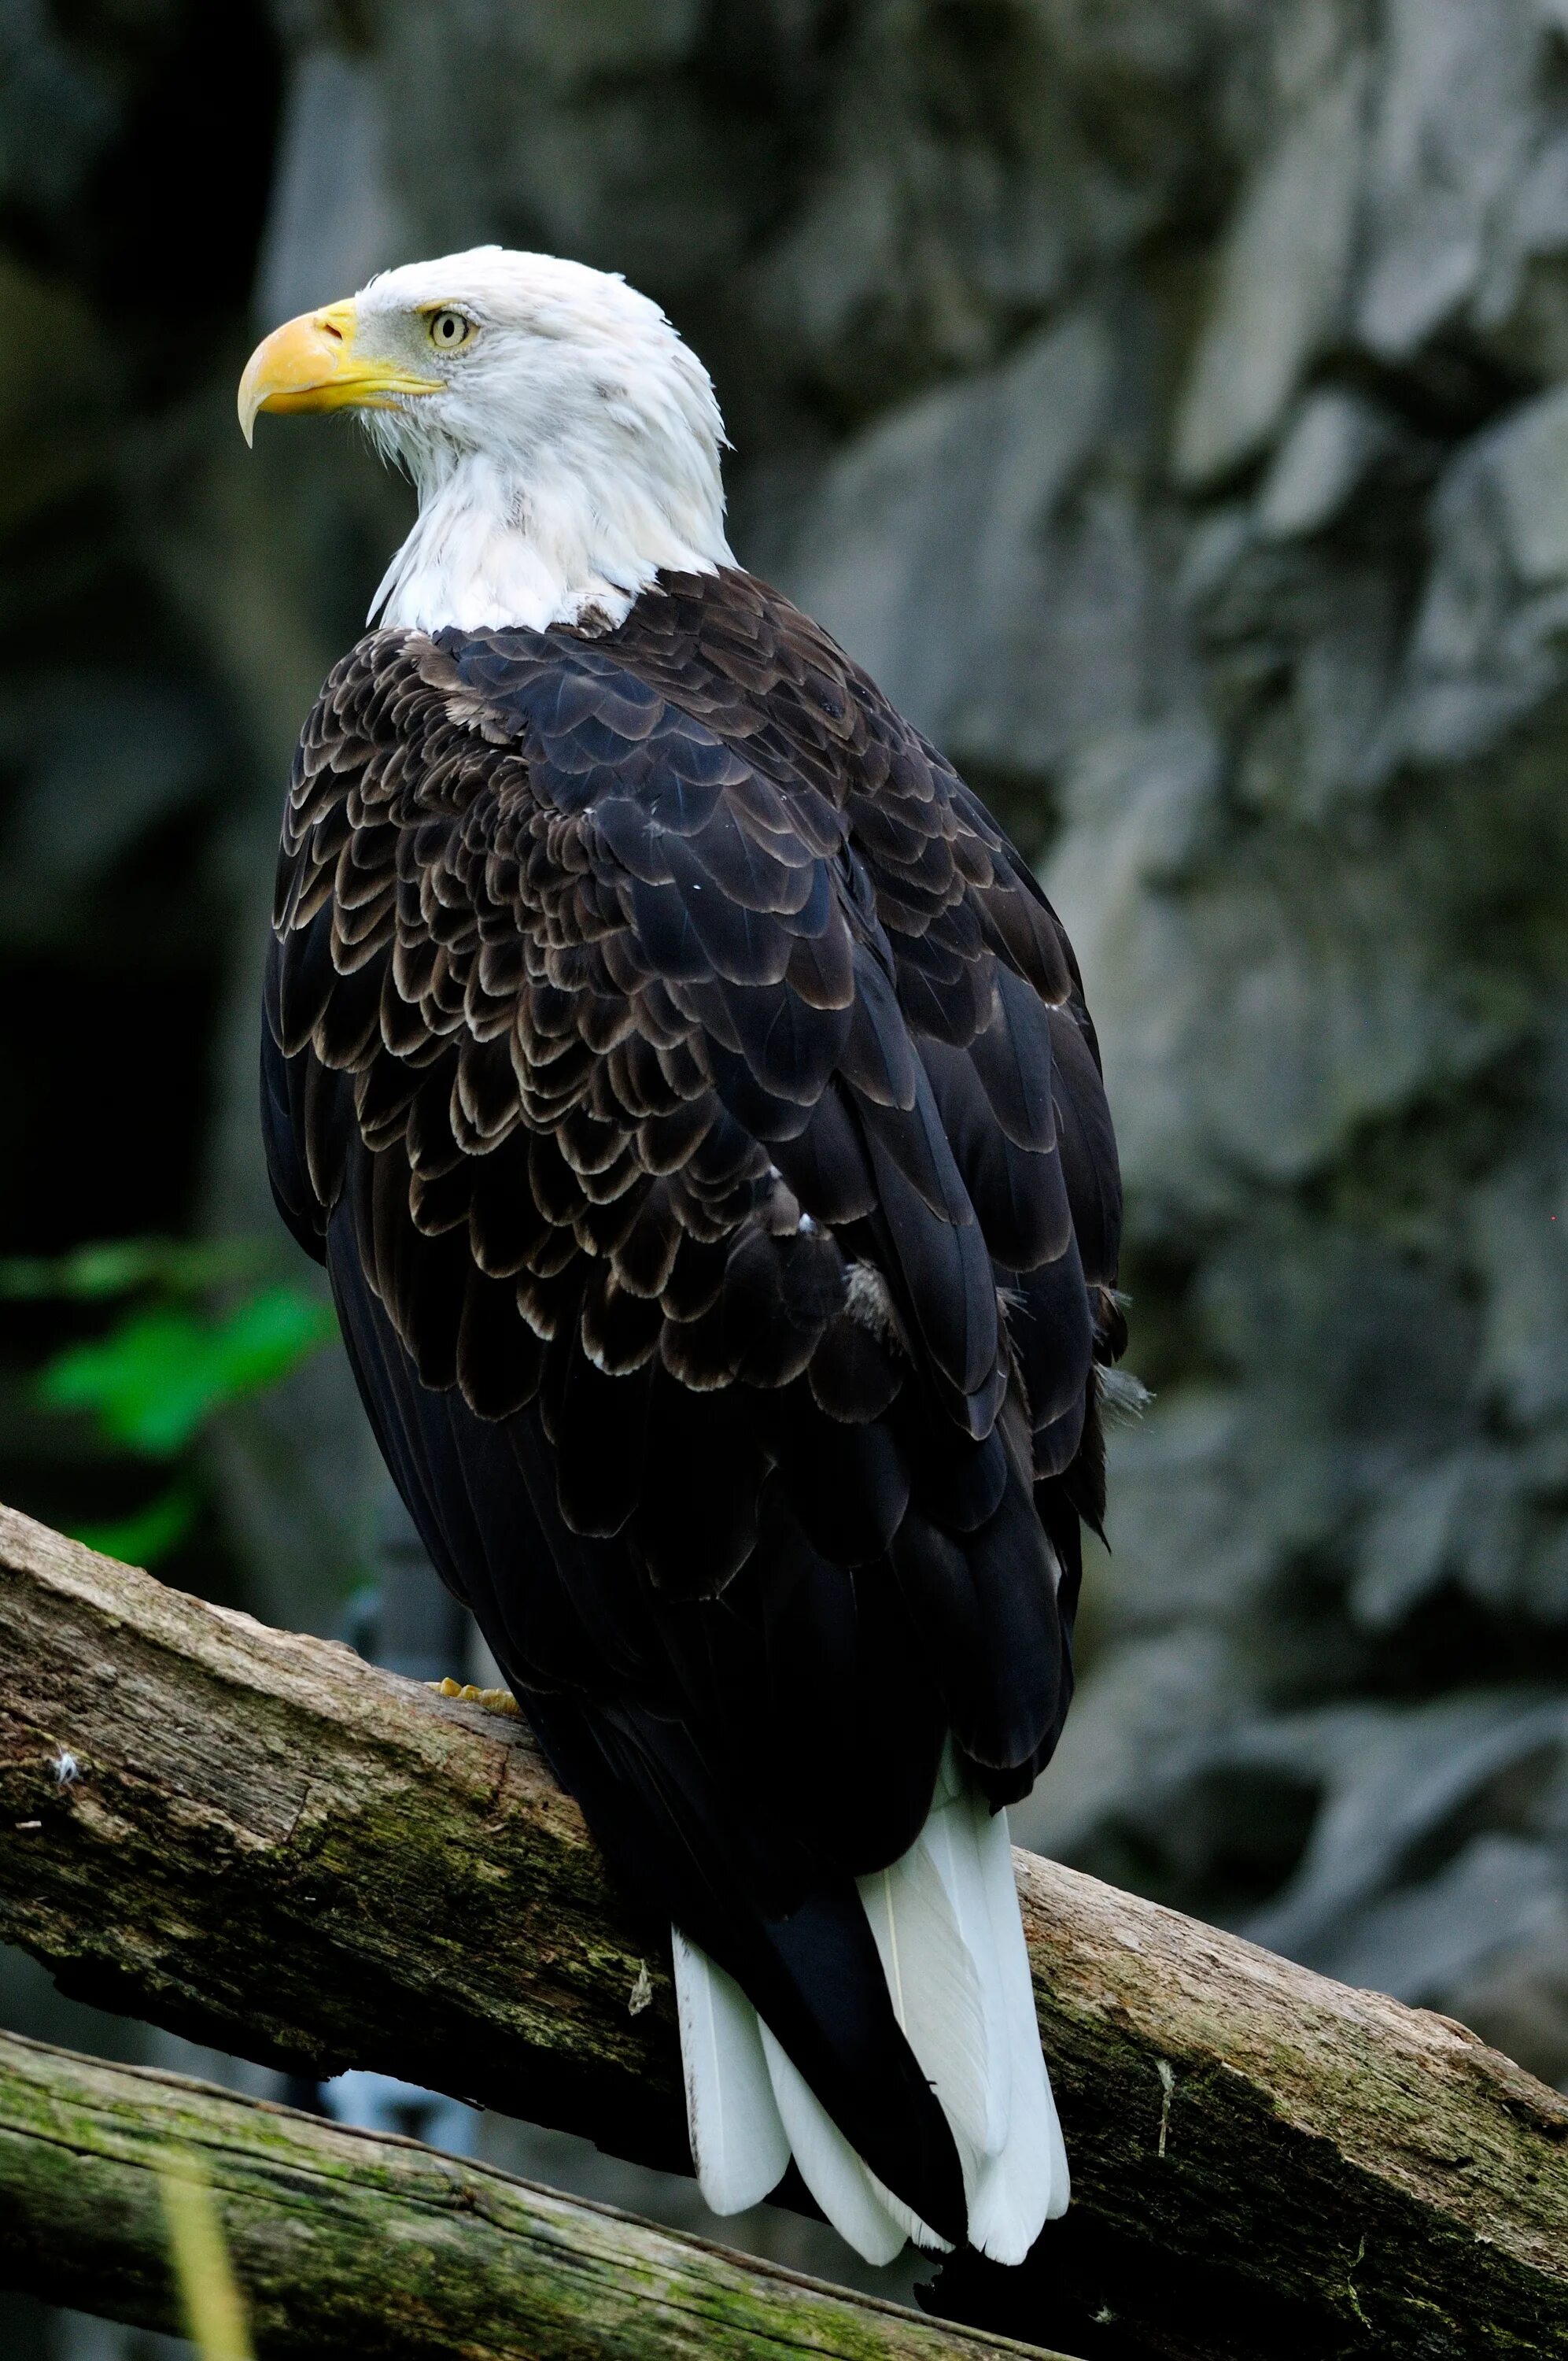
x=493, y=1700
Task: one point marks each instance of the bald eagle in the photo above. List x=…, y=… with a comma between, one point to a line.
x=691, y=1095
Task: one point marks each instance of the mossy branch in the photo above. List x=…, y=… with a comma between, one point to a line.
x=262, y=1841
x=348, y=2241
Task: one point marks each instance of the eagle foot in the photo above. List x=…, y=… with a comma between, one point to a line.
x=493, y=1700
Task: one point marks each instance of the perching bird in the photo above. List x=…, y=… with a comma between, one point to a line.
x=692, y=1097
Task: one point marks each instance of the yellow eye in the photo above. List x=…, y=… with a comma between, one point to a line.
x=448, y=330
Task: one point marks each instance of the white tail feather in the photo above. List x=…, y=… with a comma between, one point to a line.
x=740, y=2146
x=948, y=1838
x=832, y=2171
x=934, y=1985
x=1027, y=2184
x=948, y=1930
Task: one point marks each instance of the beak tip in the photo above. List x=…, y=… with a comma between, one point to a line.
x=311, y=364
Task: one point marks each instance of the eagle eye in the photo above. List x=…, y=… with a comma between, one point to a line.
x=448, y=330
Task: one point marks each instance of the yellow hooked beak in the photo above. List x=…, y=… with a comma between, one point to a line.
x=315, y=363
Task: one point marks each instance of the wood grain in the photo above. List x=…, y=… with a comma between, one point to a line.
x=347, y=2241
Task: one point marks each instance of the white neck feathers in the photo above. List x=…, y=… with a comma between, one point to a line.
x=566, y=448
x=501, y=542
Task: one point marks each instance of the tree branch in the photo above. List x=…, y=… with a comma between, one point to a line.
x=273, y=1846
x=347, y=2241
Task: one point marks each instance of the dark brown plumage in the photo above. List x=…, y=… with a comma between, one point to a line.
x=692, y=1096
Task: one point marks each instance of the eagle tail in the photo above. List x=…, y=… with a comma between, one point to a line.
x=947, y=1927
x=862, y=2209
x=1024, y=2180
x=740, y=2146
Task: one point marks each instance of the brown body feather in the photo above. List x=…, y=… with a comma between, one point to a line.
x=693, y=1096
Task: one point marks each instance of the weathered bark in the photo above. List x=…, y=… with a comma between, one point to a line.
x=380, y=2248
x=265, y=1842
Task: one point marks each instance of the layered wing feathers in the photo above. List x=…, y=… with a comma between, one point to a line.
x=693, y=1097
x=635, y=952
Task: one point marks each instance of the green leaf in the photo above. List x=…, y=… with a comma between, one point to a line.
x=157, y=1376
x=149, y=1380
x=123, y=1266
x=146, y=1534
x=266, y=1335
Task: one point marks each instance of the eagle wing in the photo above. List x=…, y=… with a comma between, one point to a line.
x=692, y=1096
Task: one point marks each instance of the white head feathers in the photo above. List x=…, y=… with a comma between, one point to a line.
x=569, y=453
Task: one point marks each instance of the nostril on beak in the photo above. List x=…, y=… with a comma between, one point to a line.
x=331, y=329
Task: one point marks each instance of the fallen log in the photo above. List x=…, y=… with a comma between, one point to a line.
x=257, y=1840
x=353, y=2242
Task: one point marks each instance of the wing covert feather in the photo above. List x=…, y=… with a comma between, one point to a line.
x=697, y=1095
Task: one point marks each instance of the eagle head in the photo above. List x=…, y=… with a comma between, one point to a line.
x=564, y=441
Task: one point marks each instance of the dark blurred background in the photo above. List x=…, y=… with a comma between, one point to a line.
x=1167, y=400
